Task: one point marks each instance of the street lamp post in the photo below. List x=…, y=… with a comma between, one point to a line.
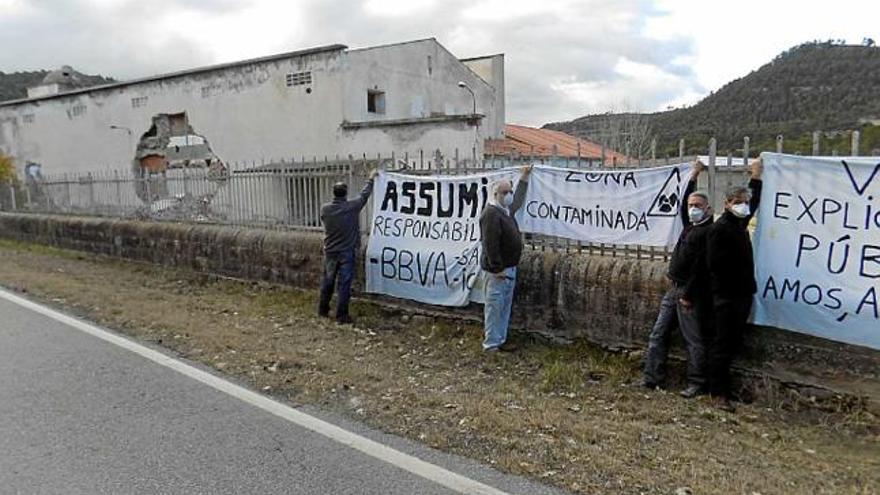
x=463, y=85
x=127, y=130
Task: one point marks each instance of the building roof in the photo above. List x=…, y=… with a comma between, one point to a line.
x=530, y=141
x=187, y=72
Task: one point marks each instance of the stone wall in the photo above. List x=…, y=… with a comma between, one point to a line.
x=610, y=301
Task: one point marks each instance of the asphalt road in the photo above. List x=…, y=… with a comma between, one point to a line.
x=81, y=414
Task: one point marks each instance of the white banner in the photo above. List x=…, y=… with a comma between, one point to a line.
x=637, y=206
x=817, y=247
x=425, y=236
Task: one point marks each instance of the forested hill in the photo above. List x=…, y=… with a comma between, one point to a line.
x=14, y=85
x=814, y=86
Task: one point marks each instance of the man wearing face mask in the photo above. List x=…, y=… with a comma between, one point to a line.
x=685, y=303
x=502, y=248
x=732, y=281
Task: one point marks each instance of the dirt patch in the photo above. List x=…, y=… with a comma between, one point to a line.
x=568, y=416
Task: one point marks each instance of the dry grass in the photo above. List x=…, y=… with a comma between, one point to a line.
x=565, y=415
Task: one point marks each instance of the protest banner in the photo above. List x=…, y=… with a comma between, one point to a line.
x=636, y=206
x=817, y=247
x=425, y=236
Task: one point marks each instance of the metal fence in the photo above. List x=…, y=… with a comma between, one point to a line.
x=288, y=194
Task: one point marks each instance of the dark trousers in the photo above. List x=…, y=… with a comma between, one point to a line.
x=730, y=316
x=693, y=323
x=341, y=265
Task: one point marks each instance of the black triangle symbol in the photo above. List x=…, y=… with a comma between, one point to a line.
x=667, y=202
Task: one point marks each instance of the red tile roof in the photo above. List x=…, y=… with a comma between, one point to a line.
x=529, y=141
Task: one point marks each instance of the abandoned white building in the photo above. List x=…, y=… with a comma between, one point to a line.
x=326, y=101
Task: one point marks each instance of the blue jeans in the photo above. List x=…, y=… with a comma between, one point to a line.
x=496, y=312
x=341, y=264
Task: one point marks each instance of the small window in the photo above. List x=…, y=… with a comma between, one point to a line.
x=138, y=102
x=375, y=101
x=211, y=90
x=28, y=118
x=298, y=78
x=78, y=111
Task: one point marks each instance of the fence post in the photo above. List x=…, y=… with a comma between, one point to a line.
x=779, y=143
x=746, y=151
x=147, y=188
x=12, y=195
x=816, y=137
x=602, y=163
x=67, y=180
x=711, y=181
x=855, y=143
x=680, y=150
x=91, y=180
x=118, y=190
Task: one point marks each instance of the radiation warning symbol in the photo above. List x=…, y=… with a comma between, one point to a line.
x=668, y=199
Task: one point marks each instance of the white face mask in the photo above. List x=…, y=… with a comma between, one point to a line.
x=696, y=214
x=507, y=200
x=741, y=210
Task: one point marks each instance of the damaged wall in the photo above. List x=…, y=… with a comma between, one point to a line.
x=607, y=300
x=284, y=106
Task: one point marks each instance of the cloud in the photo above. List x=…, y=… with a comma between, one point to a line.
x=564, y=58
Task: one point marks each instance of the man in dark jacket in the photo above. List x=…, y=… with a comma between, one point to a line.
x=501, y=250
x=686, y=303
x=732, y=281
x=342, y=236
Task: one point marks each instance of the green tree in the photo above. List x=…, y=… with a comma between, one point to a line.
x=7, y=169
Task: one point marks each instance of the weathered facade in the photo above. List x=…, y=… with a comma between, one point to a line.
x=324, y=101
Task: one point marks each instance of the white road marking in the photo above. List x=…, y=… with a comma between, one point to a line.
x=437, y=474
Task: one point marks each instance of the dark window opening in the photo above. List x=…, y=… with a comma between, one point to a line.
x=298, y=78
x=375, y=101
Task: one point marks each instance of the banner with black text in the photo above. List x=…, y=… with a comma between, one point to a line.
x=817, y=247
x=425, y=236
x=635, y=206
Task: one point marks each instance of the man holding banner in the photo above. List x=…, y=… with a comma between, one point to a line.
x=732, y=272
x=342, y=237
x=501, y=251
x=685, y=304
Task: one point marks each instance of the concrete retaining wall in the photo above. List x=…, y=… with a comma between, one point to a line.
x=607, y=300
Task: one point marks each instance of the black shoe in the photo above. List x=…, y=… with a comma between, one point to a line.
x=649, y=384
x=323, y=314
x=692, y=391
x=725, y=404
x=507, y=347
x=344, y=320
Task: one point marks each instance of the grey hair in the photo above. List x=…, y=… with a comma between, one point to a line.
x=497, y=184
x=701, y=194
x=735, y=191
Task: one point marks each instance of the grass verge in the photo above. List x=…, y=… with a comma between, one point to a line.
x=568, y=416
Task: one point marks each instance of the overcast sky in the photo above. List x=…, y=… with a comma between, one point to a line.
x=564, y=58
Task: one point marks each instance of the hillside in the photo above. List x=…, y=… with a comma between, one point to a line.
x=14, y=85
x=814, y=86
